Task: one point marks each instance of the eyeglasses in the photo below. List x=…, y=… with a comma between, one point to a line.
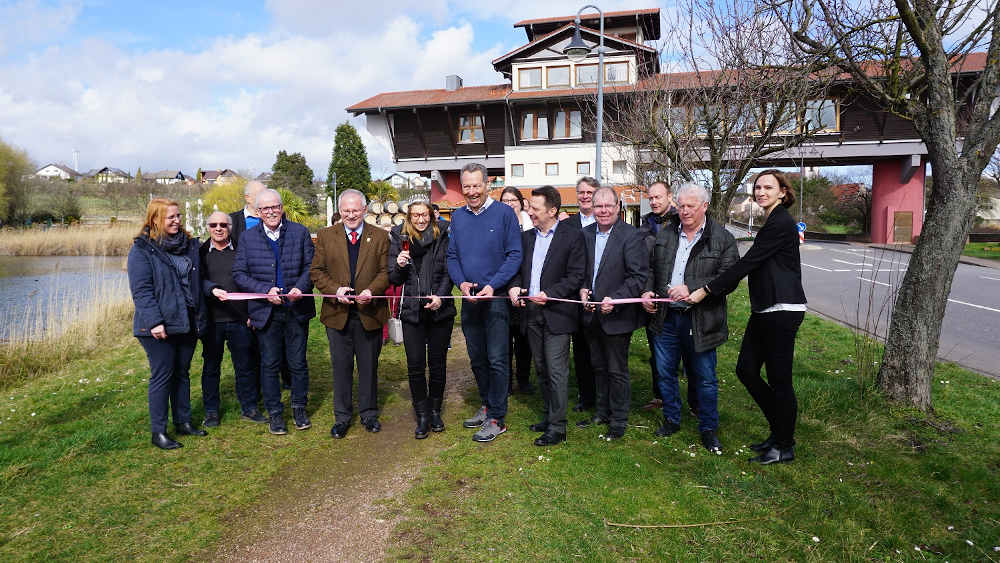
x=217, y=225
x=270, y=209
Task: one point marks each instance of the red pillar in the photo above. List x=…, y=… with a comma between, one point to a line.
x=896, y=198
x=453, y=190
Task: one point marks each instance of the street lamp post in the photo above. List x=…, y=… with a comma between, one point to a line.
x=577, y=50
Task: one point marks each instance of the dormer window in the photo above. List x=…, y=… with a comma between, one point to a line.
x=528, y=78
x=470, y=128
x=557, y=76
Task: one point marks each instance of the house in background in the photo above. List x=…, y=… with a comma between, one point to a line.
x=223, y=176
x=168, y=177
x=264, y=178
x=408, y=180
x=57, y=171
x=109, y=175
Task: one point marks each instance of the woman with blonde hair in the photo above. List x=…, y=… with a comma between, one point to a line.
x=170, y=315
x=418, y=261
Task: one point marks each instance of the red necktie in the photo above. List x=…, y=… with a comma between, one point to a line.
x=354, y=237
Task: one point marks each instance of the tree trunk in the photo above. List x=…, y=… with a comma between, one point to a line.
x=912, y=342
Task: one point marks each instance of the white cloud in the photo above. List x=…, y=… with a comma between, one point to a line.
x=29, y=22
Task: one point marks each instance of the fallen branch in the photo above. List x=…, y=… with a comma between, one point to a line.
x=698, y=525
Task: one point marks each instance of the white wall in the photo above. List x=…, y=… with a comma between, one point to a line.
x=534, y=158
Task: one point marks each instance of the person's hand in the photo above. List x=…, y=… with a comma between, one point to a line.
x=606, y=306
x=295, y=294
x=563, y=215
x=158, y=332
x=465, y=288
x=585, y=296
x=434, y=304
x=649, y=307
x=515, y=296
x=341, y=292
x=678, y=292
x=365, y=297
x=540, y=298
x=697, y=296
x=220, y=294
x=486, y=291
x=403, y=259
x=248, y=324
x=273, y=297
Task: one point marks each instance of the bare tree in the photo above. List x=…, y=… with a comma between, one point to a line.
x=739, y=100
x=918, y=59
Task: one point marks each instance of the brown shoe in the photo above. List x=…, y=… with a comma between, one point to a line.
x=653, y=404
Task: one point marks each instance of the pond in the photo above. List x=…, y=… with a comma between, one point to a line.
x=40, y=294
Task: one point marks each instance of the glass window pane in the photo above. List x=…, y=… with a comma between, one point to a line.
x=558, y=76
x=464, y=135
x=574, y=124
x=560, y=124
x=616, y=72
x=586, y=74
x=552, y=169
x=543, y=127
x=530, y=77
x=517, y=170
x=618, y=167
x=583, y=168
x=527, y=126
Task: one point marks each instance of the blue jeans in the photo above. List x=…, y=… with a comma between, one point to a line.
x=238, y=336
x=283, y=332
x=486, y=329
x=675, y=342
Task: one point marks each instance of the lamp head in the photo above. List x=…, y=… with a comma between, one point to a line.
x=577, y=50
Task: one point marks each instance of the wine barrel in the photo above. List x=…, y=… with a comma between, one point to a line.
x=371, y=218
x=398, y=219
x=391, y=207
x=375, y=206
x=384, y=220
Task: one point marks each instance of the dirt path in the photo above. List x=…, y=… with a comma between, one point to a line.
x=343, y=507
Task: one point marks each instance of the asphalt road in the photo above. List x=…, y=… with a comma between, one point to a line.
x=853, y=284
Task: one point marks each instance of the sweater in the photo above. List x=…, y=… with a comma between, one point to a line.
x=484, y=249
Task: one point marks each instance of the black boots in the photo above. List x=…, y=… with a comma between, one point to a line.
x=164, y=442
x=437, y=424
x=423, y=420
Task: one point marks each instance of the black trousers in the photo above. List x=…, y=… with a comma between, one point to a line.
x=354, y=342
x=583, y=368
x=551, y=356
x=609, y=356
x=769, y=341
x=520, y=354
x=426, y=346
x=169, y=378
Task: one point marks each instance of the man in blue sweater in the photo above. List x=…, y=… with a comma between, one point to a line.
x=484, y=253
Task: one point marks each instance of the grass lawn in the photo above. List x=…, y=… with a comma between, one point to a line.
x=79, y=480
x=983, y=250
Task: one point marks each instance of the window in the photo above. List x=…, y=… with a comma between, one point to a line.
x=534, y=126
x=517, y=170
x=567, y=125
x=586, y=74
x=616, y=72
x=784, y=114
x=821, y=115
x=583, y=169
x=618, y=167
x=470, y=128
x=557, y=76
x=551, y=168
x=529, y=78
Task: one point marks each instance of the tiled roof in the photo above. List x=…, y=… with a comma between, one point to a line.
x=62, y=167
x=588, y=17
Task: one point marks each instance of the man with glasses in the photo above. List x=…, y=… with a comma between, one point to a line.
x=274, y=258
x=690, y=251
x=585, y=189
x=228, y=323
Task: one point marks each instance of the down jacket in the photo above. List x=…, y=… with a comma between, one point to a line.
x=157, y=292
x=254, y=270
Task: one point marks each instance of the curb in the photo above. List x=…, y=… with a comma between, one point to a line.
x=908, y=249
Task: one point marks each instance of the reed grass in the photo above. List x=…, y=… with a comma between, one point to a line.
x=111, y=240
x=57, y=329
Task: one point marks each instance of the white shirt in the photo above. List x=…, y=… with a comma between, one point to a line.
x=273, y=235
x=482, y=207
x=587, y=219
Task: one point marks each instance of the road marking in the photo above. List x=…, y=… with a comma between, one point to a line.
x=817, y=267
x=848, y=270
x=988, y=278
x=951, y=300
x=851, y=263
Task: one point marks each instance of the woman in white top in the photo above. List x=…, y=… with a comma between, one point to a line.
x=512, y=197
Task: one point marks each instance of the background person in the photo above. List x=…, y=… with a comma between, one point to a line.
x=274, y=258
x=352, y=257
x=227, y=323
x=422, y=270
x=165, y=282
x=585, y=188
x=777, y=304
x=519, y=351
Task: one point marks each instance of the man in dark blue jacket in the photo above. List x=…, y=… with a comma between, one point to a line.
x=484, y=253
x=274, y=258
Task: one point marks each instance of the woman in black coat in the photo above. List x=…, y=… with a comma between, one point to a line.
x=418, y=261
x=778, y=305
x=170, y=315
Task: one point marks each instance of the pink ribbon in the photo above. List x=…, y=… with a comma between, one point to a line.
x=623, y=301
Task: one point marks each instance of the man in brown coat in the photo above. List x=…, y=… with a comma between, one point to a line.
x=352, y=259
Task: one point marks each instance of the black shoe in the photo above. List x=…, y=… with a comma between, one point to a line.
x=580, y=407
x=710, y=440
x=211, y=420
x=588, y=422
x=539, y=426
x=667, y=429
x=423, y=420
x=615, y=433
x=255, y=416
x=371, y=425
x=339, y=430
x=162, y=441
x=437, y=424
x=775, y=455
x=277, y=425
x=301, y=418
x=187, y=430
x=550, y=438
x=761, y=447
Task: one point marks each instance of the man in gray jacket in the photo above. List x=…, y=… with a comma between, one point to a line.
x=690, y=251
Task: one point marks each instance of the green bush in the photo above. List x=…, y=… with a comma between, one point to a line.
x=226, y=197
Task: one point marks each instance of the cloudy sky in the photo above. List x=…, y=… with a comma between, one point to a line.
x=228, y=84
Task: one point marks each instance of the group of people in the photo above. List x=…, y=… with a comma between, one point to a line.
x=535, y=284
